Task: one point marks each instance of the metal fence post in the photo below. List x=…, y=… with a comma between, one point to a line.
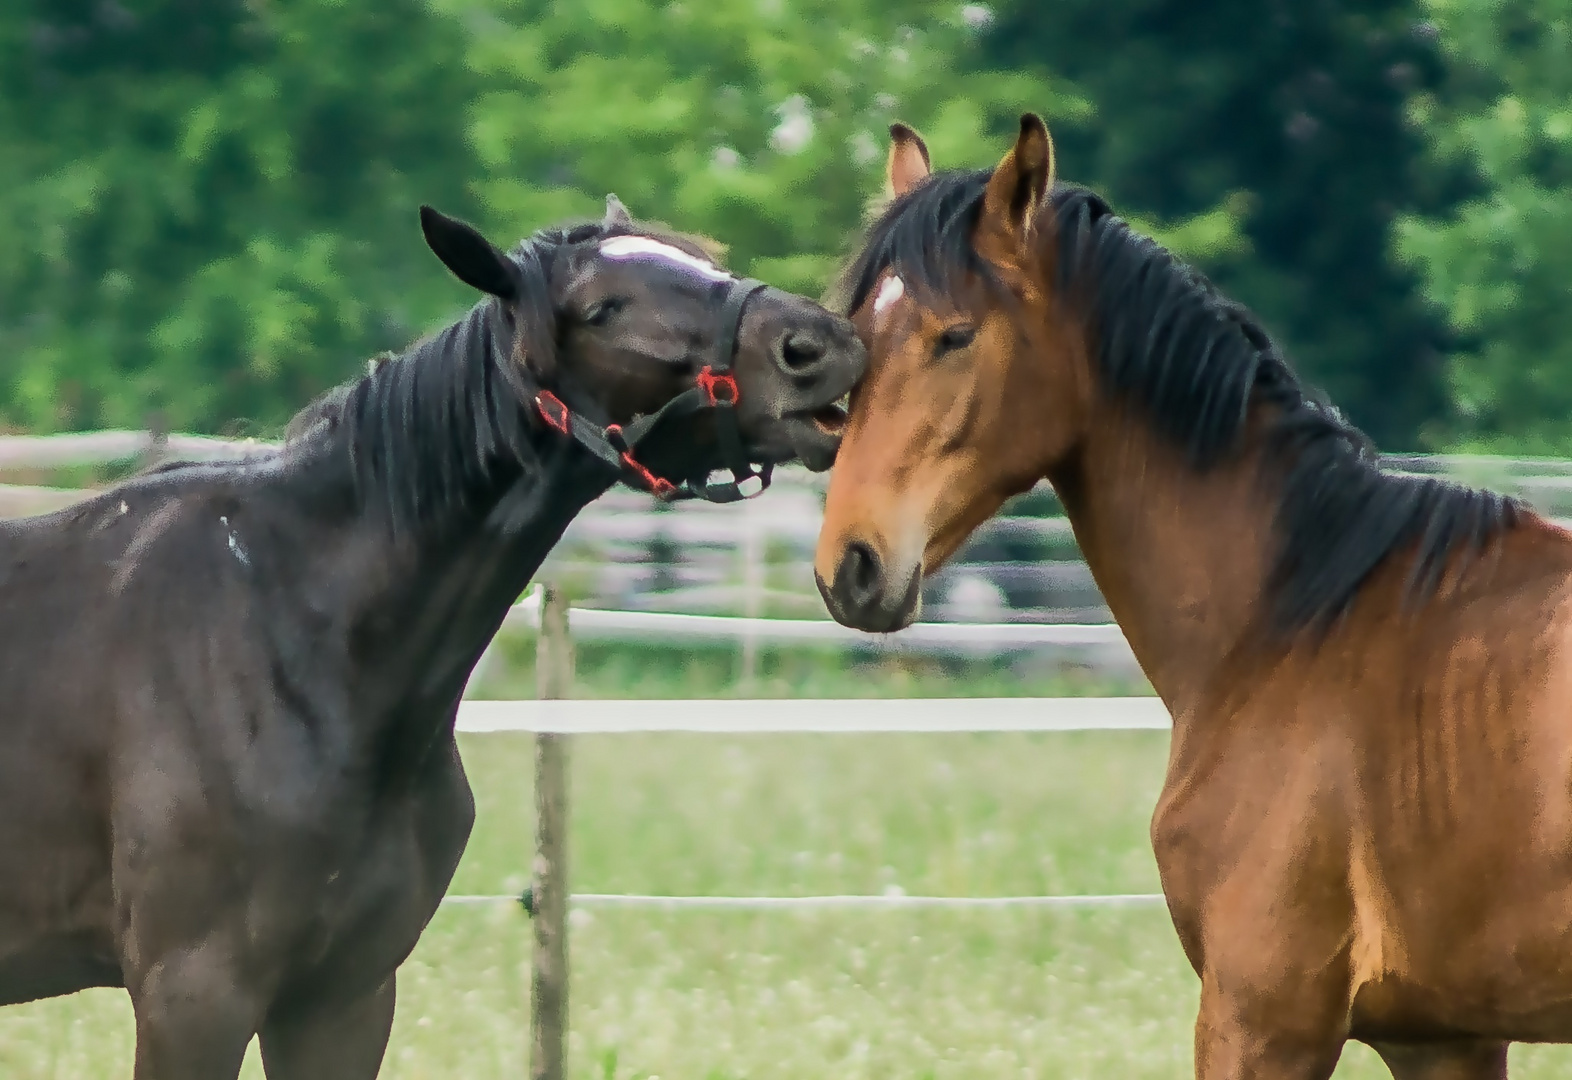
x=549, y=890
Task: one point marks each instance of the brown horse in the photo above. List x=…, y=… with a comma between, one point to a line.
x=1366, y=829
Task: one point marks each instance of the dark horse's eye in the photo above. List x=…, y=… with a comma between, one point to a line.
x=956, y=337
x=600, y=312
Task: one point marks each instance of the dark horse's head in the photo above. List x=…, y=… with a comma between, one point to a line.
x=613, y=322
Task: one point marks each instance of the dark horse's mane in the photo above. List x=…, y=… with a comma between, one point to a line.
x=1194, y=363
x=432, y=429
x=428, y=430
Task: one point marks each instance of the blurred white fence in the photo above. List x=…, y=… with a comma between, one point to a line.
x=627, y=554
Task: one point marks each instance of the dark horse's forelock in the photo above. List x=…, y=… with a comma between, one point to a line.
x=1194, y=363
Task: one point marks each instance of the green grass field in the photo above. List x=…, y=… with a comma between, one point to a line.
x=775, y=995
x=689, y=671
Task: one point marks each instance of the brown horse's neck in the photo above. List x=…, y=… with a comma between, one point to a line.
x=1180, y=556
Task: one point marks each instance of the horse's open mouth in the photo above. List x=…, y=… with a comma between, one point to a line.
x=831, y=418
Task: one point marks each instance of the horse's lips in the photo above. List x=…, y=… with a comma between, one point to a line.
x=830, y=419
x=812, y=442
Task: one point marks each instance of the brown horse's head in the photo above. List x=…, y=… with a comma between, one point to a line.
x=970, y=397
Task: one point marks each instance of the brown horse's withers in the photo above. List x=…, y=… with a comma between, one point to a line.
x=1366, y=828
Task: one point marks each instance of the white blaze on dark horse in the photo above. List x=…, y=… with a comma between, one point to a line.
x=228, y=775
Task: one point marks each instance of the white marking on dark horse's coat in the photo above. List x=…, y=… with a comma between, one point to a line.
x=635, y=247
x=235, y=548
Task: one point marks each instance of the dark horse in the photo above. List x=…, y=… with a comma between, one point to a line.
x=228, y=775
x=1366, y=829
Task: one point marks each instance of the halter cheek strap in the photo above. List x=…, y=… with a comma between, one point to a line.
x=714, y=388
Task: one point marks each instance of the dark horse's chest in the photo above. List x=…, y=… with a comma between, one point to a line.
x=345, y=893
x=382, y=886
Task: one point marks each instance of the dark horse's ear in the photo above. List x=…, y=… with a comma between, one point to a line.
x=617, y=215
x=473, y=259
x=1019, y=185
x=908, y=164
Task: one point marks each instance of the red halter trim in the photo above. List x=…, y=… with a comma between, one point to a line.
x=709, y=382
x=553, y=411
x=657, y=486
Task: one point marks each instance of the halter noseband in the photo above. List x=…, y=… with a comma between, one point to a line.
x=714, y=387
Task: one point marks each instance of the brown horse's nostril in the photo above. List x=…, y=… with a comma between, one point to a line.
x=863, y=595
x=860, y=578
x=799, y=353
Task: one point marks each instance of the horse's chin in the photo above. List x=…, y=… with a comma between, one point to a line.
x=814, y=439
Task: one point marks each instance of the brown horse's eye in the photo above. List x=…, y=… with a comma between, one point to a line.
x=956, y=337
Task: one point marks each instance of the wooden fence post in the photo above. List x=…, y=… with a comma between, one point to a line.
x=549, y=889
x=754, y=582
x=157, y=442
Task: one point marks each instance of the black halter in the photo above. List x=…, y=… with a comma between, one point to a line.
x=714, y=387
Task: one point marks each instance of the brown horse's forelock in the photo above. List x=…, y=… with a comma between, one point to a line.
x=925, y=236
x=1194, y=362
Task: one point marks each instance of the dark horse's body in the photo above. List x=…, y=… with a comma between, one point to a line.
x=228, y=774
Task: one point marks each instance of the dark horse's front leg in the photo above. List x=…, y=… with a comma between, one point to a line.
x=341, y=1041
x=194, y=1015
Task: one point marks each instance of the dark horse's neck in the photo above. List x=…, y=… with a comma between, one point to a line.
x=1222, y=508
x=446, y=498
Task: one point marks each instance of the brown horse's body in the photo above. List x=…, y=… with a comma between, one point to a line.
x=1366, y=827
x=1371, y=840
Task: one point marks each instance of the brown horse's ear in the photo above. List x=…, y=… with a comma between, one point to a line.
x=473, y=259
x=1021, y=182
x=908, y=163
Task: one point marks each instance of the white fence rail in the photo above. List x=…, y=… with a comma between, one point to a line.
x=844, y=900
x=626, y=555
x=105, y=447
x=815, y=715
x=978, y=639
x=820, y=716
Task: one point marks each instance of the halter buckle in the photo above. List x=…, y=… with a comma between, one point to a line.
x=709, y=383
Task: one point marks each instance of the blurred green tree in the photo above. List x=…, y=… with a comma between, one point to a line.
x=1500, y=262
x=209, y=205
x=763, y=125
x=1277, y=131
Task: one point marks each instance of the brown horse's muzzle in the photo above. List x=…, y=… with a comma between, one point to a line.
x=864, y=595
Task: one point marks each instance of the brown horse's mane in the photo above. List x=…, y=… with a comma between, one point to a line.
x=1194, y=362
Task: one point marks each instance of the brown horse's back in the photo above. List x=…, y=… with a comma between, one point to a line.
x=1467, y=782
x=1416, y=756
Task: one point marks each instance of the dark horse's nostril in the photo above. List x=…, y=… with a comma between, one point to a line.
x=800, y=353
x=861, y=575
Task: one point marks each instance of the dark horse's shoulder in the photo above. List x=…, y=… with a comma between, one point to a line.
x=180, y=525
